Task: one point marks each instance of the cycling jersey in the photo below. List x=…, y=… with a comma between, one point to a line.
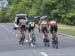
x=44, y=26
x=53, y=28
x=31, y=26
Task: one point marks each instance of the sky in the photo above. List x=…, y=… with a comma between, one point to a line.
x=4, y=3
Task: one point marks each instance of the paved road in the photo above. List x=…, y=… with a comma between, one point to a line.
x=9, y=44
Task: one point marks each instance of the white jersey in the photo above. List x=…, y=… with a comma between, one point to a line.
x=43, y=24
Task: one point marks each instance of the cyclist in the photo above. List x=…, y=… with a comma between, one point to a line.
x=53, y=27
x=53, y=31
x=44, y=30
x=21, y=27
x=40, y=23
x=31, y=26
x=32, y=39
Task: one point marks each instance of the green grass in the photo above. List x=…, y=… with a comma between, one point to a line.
x=65, y=29
x=70, y=30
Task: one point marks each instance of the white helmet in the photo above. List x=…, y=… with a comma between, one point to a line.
x=42, y=17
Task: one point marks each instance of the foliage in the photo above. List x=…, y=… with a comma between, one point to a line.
x=61, y=10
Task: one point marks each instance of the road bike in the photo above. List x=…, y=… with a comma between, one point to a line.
x=55, y=41
x=23, y=37
x=46, y=39
x=32, y=39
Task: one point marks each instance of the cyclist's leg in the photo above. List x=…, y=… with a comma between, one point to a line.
x=34, y=40
x=53, y=40
x=52, y=33
x=42, y=31
x=23, y=37
x=23, y=34
x=44, y=35
x=56, y=40
x=31, y=39
x=30, y=36
x=19, y=34
x=40, y=28
x=46, y=38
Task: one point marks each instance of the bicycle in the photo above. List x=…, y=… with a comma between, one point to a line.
x=22, y=38
x=32, y=39
x=55, y=41
x=46, y=39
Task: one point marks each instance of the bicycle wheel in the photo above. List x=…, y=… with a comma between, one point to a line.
x=46, y=41
x=55, y=42
x=22, y=38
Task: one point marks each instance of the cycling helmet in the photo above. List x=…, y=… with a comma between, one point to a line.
x=42, y=18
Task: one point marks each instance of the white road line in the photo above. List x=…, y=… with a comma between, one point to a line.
x=7, y=29
x=68, y=36
x=43, y=53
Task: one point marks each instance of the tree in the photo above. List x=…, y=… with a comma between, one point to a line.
x=61, y=10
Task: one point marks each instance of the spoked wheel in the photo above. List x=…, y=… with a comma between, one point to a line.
x=46, y=42
x=55, y=42
x=46, y=39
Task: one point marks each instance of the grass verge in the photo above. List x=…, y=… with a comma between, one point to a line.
x=65, y=29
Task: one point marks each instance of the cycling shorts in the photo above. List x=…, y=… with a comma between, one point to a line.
x=53, y=28
x=44, y=29
x=23, y=27
x=31, y=29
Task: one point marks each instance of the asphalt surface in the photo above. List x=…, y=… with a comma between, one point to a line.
x=9, y=45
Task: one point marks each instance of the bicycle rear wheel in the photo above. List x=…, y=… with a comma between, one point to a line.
x=46, y=41
x=55, y=42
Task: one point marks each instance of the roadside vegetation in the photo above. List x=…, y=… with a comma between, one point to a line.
x=63, y=11
x=66, y=29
